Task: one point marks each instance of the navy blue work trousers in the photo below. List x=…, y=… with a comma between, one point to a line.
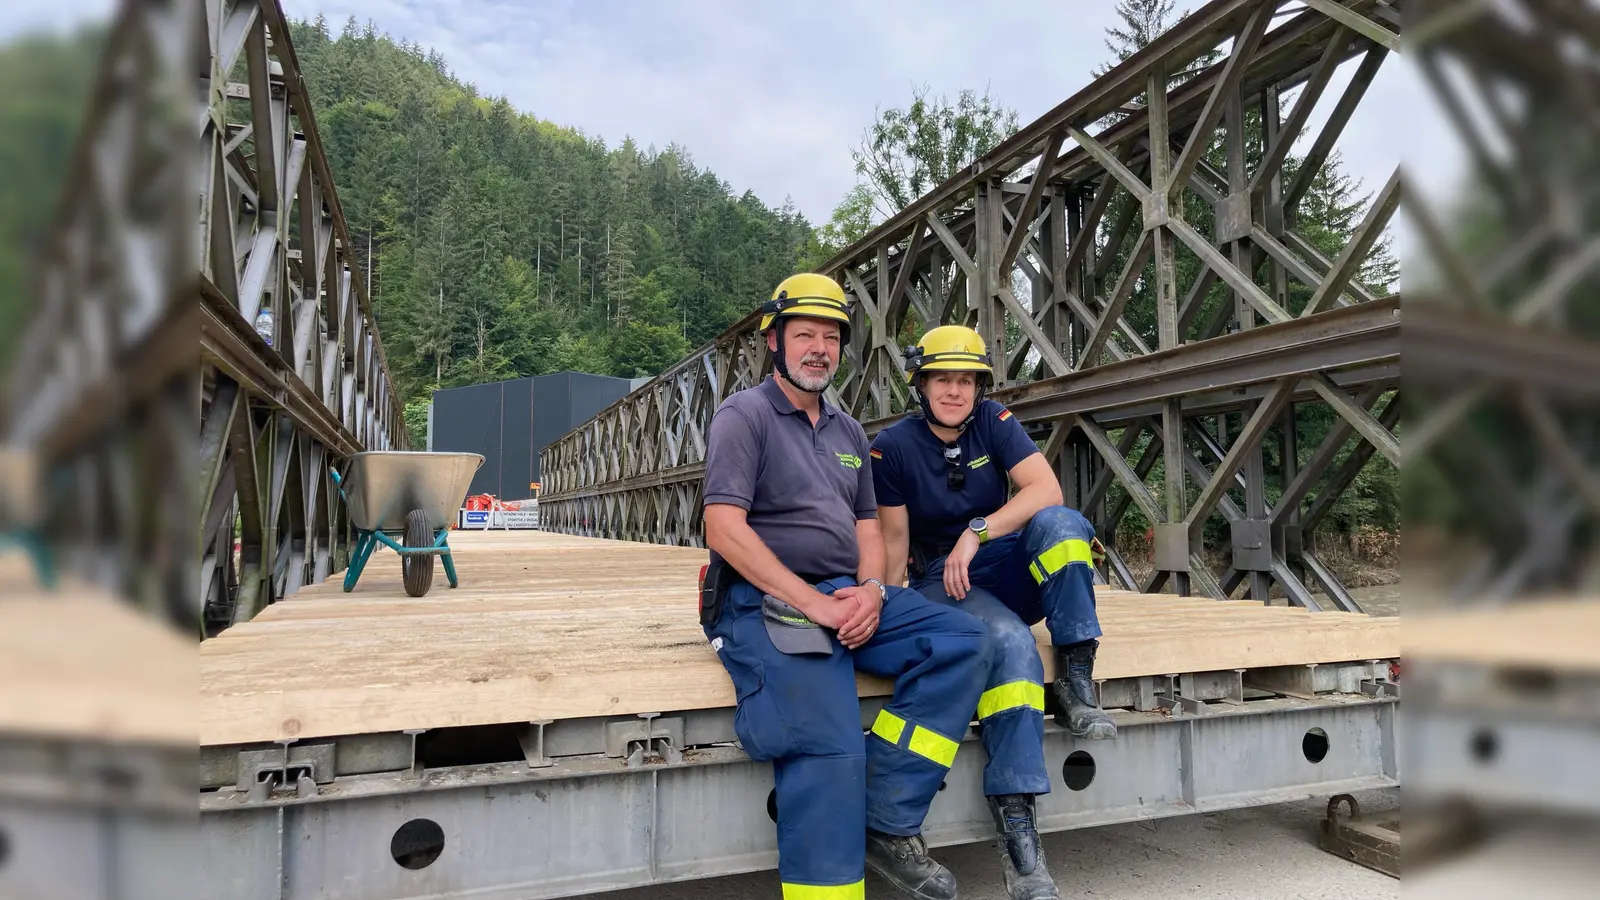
x=835, y=778
x=1042, y=572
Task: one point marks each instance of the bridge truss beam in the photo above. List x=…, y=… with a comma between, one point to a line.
x=281, y=407
x=99, y=454
x=1042, y=245
x=1505, y=352
x=96, y=411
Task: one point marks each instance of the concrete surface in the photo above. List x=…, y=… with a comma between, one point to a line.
x=1528, y=857
x=1264, y=853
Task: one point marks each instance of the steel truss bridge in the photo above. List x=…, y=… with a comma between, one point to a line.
x=1041, y=244
x=1503, y=342
x=276, y=417
x=104, y=372
x=200, y=101
x=1032, y=244
x=119, y=339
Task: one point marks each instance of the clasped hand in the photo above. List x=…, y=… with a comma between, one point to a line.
x=851, y=611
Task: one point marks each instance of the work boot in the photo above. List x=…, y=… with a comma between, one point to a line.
x=1074, y=688
x=1021, y=854
x=904, y=862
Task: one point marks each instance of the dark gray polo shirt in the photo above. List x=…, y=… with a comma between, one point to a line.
x=803, y=487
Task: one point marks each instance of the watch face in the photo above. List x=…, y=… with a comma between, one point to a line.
x=978, y=524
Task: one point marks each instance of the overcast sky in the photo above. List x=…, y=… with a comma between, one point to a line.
x=772, y=96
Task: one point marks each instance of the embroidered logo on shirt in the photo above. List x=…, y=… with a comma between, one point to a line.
x=1004, y=414
x=979, y=463
x=849, y=460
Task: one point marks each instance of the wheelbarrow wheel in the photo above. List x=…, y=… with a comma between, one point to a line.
x=418, y=568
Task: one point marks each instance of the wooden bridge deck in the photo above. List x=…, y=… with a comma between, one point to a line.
x=547, y=626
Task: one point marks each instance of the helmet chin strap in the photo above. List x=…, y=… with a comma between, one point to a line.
x=927, y=405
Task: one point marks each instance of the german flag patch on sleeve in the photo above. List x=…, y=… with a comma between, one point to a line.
x=875, y=453
x=1004, y=414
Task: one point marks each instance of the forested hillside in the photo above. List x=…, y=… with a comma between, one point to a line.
x=48, y=81
x=503, y=245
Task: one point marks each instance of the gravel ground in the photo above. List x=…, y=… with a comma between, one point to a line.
x=1267, y=852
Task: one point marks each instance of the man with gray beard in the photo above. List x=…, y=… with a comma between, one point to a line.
x=794, y=604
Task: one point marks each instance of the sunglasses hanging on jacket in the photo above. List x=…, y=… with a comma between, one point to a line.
x=958, y=473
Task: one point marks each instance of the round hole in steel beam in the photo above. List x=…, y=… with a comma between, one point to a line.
x=1314, y=745
x=1078, y=771
x=772, y=805
x=417, y=843
x=1485, y=745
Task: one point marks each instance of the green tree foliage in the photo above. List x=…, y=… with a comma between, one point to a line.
x=48, y=82
x=1142, y=22
x=501, y=245
x=908, y=152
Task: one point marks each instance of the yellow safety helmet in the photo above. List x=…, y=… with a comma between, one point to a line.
x=813, y=296
x=808, y=294
x=950, y=348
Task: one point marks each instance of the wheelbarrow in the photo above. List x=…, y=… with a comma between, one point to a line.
x=410, y=495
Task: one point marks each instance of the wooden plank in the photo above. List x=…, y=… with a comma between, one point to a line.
x=550, y=626
x=81, y=665
x=1546, y=634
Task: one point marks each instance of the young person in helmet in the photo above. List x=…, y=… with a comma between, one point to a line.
x=940, y=478
x=794, y=602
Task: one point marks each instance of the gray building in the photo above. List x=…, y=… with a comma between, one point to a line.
x=510, y=422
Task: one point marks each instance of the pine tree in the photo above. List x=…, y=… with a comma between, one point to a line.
x=1142, y=22
x=1330, y=212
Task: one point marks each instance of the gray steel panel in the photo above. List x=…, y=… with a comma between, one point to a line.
x=243, y=856
x=468, y=419
x=593, y=824
x=1531, y=758
x=519, y=459
x=68, y=852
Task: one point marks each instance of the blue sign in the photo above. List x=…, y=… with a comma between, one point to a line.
x=477, y=517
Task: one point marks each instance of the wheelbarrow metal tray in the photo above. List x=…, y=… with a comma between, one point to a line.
x=383, y=485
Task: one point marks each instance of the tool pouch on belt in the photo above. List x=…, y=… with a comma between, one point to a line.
x=714, y=581
x=923, y=553
x=918, y=564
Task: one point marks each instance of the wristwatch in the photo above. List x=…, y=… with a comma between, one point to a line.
x=979, y=527
x=882, y=591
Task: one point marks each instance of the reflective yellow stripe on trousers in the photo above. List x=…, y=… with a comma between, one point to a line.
x=925, y=743
x=857, y=891
x=889, y=726
x=1058, y=557
x=1011, y=695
